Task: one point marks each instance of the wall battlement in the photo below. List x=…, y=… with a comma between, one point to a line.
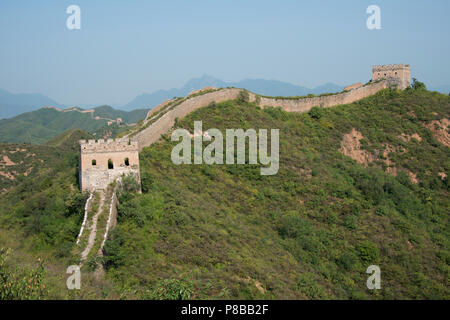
x=390, y=67
x=109, y=145
x=104, y=161
x=396, y=74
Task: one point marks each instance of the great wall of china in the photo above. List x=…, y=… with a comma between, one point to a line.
x=103, y=162
x=382, y=77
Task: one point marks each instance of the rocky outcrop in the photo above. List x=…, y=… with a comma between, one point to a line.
x=440, y=130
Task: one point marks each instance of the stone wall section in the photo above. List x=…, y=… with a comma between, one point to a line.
x=157, y=108
x=353, y=86
x=305, y=104
x=152, y=133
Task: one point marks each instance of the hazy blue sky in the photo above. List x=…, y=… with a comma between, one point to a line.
x=125, y=48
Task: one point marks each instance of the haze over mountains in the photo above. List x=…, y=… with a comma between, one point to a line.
x=12, y=104
x=15, y=104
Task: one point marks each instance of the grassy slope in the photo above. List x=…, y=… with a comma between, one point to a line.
x=42, y=125
x=40, y=217
x=47, y=203
x=308, y=232
x=28, y=160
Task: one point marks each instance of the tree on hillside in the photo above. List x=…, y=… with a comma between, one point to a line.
x=417, y=85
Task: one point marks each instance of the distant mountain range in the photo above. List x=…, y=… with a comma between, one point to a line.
x=13, y=104
x=260, y=86
x=39, y=126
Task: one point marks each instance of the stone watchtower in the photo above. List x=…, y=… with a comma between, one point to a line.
x=396, y=74
x=102, y=162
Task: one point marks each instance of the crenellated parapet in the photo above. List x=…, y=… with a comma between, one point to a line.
x=103, y=161
x=398, y=75
x=388, y=67
x=109, y=145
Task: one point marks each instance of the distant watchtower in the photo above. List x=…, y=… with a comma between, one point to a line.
x=396, y=74
x=102, y=162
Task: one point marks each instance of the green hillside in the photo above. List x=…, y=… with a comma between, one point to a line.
x=225, y=231
x=21, y=162
x=127, y=116
x=39, y=126
x=69, y=141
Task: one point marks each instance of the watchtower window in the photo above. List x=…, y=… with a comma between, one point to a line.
x=110, y=164
x=94, y=162
x=127, y=162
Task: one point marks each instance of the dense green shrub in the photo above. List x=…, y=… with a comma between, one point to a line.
x=244, y=96
x=368, y=251
x=170, y=289
x=112, y=256
x=417, y=85
x=316, y=112
x=18, y=283
x=348, y=260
